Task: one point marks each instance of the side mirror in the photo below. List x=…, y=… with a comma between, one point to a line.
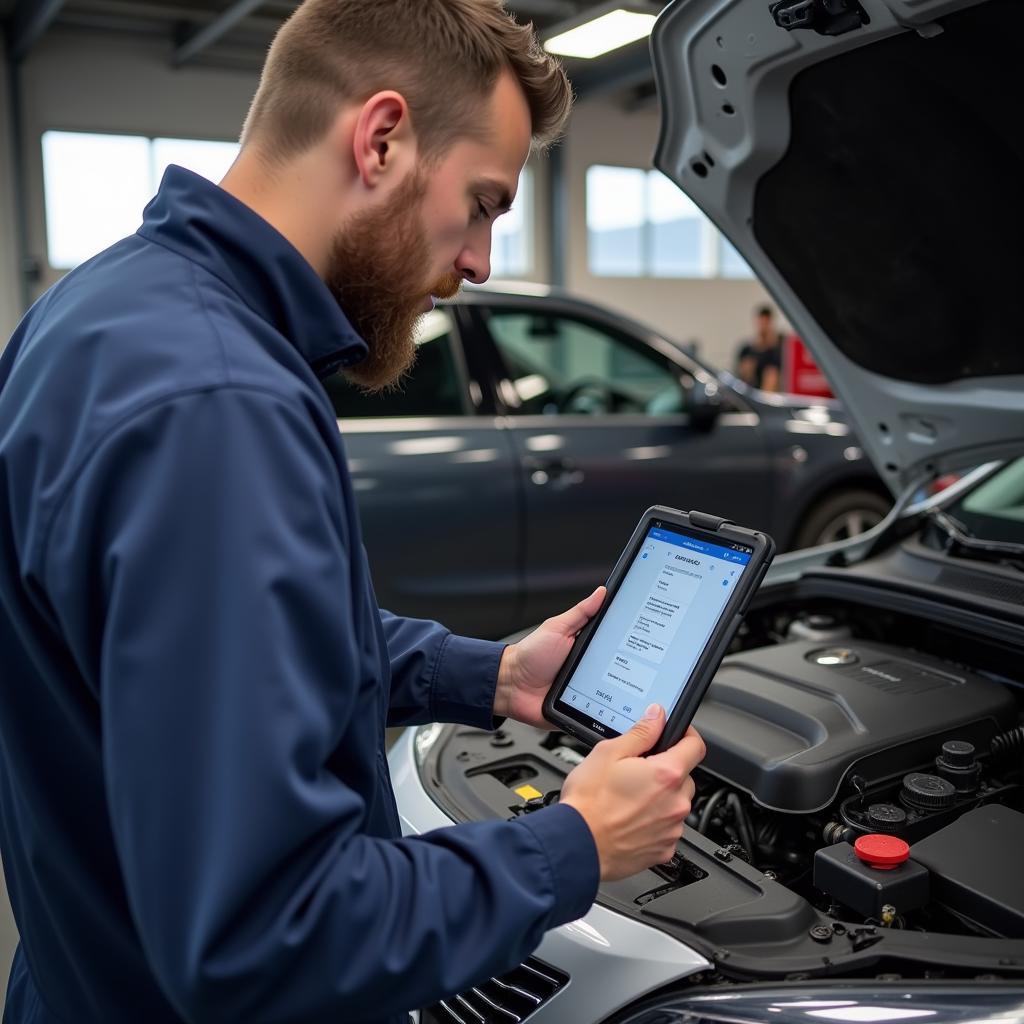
x=703, y=404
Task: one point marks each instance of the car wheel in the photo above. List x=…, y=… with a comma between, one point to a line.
x=840, y=516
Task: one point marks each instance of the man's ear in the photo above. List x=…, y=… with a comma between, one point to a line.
x=383, y=142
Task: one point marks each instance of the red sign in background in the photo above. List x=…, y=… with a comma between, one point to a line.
x=800, y=373
x=801, y=376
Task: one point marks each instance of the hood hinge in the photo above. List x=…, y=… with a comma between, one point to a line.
x=826, y=17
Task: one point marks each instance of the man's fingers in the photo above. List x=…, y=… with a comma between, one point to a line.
x=572, y=621
x=641, y=737
x=686, y=754
x=689, y=788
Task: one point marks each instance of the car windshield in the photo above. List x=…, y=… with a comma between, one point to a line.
x=995, y=509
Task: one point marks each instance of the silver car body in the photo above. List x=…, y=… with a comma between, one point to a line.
x=618, y=958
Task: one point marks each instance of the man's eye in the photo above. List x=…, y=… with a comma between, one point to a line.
x=481, y=212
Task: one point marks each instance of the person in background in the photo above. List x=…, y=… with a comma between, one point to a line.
x=759, y=360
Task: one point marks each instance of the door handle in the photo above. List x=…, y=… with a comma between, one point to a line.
x=556, y=472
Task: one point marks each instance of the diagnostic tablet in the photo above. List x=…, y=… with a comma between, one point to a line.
x=675, y=600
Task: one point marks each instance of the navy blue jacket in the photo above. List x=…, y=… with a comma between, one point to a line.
x=195, y=811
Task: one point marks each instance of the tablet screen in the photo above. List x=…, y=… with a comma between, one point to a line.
x=654, y=629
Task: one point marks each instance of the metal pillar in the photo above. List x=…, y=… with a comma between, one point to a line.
x=558, y=234
x=29, y=20
x=27, y=268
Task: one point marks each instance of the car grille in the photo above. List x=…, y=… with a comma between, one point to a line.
x=508, y=998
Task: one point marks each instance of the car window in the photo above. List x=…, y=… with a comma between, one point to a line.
x=433, y=388
x=995, y=509
x=565, y=365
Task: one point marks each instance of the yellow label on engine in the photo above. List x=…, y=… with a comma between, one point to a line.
x=528, y=792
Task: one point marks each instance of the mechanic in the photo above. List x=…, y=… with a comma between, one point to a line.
x=197, y=819
x=759, y=358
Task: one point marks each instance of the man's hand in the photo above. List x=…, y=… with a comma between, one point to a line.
x=635, y=806
x=529, y=667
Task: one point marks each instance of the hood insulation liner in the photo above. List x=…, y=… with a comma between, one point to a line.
x=897, y=213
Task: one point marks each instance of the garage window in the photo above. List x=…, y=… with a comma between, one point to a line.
x=639, y=224
x=512, y=239
x=95, y=186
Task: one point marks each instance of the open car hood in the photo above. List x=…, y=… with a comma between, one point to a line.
x=866, y=157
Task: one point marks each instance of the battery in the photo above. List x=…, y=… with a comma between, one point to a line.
x=977, y=866
x=866, y=888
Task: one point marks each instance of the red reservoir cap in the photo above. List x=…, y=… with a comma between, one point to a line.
x=881, y=852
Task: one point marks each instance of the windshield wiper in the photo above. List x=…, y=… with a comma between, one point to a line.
x=960, y=542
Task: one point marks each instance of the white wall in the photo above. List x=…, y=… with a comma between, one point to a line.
x=76, y=81
x=10, y=299
x=715, y=313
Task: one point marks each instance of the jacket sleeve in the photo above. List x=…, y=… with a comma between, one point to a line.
x=230, y=671
x=437, y=676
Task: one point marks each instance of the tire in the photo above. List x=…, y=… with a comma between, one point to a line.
x=841, y=515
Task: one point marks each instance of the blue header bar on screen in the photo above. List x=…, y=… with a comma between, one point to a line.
x=703, y=547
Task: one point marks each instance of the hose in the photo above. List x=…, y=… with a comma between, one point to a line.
x=743, y=825
x=768, y=833
x=1008, y=743
x=709, y=808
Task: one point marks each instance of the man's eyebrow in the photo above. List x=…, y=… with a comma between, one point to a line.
x=496, y=188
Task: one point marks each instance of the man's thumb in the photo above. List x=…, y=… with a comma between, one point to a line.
x=643, y=735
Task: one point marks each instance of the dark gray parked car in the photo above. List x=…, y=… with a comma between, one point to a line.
x=499, y=484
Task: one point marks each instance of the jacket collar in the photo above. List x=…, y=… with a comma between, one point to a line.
x=209, y=226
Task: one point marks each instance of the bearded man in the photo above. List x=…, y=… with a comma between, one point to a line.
x=195, y=811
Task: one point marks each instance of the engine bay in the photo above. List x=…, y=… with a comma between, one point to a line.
x=862, y=795
x=814, y=743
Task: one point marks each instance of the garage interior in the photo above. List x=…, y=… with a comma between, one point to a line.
x=188, y=71
x=157, y=76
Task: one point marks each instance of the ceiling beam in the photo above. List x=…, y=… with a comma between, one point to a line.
x=187, y=18
x=27, y=25
x=112, y=23
x=545, y=8
x=209, y=34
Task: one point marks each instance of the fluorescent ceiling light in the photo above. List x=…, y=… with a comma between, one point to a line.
x=608, y=32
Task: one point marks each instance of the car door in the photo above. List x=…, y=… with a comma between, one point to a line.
x=436, y=483
x=604, y=425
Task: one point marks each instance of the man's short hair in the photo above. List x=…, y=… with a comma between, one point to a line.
x=764, y=311
x=443, y=56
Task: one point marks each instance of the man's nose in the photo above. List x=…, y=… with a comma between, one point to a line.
x=474, y=263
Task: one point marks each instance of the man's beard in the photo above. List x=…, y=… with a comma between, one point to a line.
x=376, y=276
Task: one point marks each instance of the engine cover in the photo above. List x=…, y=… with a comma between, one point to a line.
x=789, y=723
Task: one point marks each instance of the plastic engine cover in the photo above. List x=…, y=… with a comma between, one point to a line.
x=787, y=723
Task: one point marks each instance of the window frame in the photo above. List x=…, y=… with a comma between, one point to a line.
x=526, y=199
x=150, y=138
x=711, y=243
